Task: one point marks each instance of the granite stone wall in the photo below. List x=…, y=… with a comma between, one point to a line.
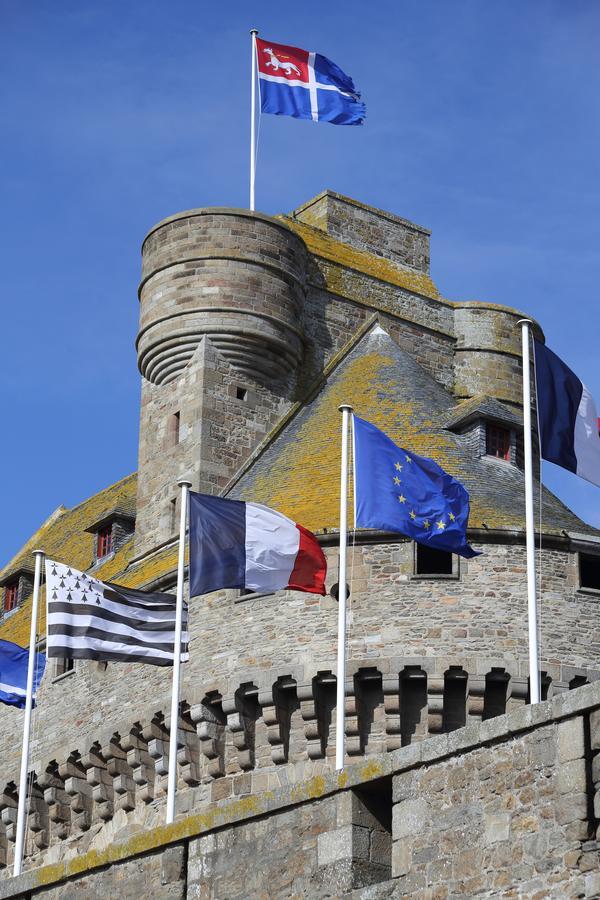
x=508, y=807
x=425, y=656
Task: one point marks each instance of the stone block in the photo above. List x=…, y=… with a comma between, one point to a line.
x=334, y=845
x=571, y=739
x=408, y=818
x=571, y=808
x=401, y=858
x=381, y=847
x=496, y=828
x=571, y=777
x=592, y=884
x=173, y=865
x=595, y=729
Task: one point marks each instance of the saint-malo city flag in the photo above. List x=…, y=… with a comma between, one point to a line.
x=91, y=619
x=306, y=85
x=399, y=491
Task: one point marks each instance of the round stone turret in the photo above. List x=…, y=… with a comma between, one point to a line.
x=235, y=275
x=488, y=352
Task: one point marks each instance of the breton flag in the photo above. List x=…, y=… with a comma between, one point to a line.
x=14, y=662
x=91, y=619
x=246, y=545
x=400, y=491
x=306, y=85
x=568, y=419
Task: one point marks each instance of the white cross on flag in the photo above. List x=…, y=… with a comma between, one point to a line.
x=91, y=619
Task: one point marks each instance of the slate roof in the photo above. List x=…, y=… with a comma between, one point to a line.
x=482, y=407
x=298, y=473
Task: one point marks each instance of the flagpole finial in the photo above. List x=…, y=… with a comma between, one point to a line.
x=525, y=322
x=254, y=31
x=344, y=406
x=184, y=482
x=37, y=553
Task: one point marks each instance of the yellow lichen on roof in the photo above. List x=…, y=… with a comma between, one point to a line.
x=322, y=245
x=63, y=537
x=303, y=481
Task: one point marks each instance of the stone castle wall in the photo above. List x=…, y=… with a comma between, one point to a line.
x=424, y=656
x=506, y=807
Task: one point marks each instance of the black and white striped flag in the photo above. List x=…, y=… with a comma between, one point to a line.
x=91, y=619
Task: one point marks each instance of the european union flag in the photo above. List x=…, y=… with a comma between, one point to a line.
x=400, y=491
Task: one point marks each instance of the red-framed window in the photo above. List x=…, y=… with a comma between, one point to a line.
x=497, y=441
x=11, y=596
x=104, y=541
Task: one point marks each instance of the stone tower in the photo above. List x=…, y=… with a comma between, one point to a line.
x=219, y=346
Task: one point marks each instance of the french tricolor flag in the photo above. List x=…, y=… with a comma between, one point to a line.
x=568, y=419
x=234, y=544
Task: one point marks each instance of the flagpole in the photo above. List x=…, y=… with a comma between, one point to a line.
x=22, y=806
x=253, y=34
x=534, y=672
x=172, y=777
x=340, y=709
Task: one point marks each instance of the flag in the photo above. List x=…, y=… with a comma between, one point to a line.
x=91, y=619
x=14, y=662
x=568, y=421
x=399, y=491
x=246, y=545
x=306, y=85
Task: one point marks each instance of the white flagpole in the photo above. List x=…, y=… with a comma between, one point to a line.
x=22, y=807
x=172, y=778
x=534, y=672
x=340, y=709
x=253, y=34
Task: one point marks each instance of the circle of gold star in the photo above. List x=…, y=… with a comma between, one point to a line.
x=441, y=525
x=402, y=498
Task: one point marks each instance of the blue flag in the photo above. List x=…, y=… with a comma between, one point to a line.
x=400, y=491
x=305, y=85
x=13, y=673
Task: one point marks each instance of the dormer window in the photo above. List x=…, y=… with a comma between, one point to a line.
x=11, y=596
x=14, y=587
x=111, y=531
x=497, y=441
x=104, y=541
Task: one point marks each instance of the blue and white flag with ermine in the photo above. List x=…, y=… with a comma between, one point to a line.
x=14, y=662
x=306, y=85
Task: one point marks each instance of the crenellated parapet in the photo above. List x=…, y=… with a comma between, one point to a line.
x=239, y=739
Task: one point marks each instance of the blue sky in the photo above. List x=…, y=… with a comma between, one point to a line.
x=482, y=124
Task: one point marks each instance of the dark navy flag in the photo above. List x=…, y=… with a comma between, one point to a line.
x=306, y=85
x=399, y=491
x=567, y=416
x=14, y=661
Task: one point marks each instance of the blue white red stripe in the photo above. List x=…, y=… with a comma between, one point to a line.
x=249, y=546
x=306, y=85
x=568, y=418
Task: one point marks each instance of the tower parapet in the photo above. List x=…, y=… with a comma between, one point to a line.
x=234, y=275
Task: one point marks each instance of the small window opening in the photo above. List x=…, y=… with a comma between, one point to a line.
x=589, y=571
x=11, y=596
x=173, y=515
x=63, y=665
x=241, y=393
x=173, y=429
x=104, y=541
x=497, y=441
x=431, y=561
